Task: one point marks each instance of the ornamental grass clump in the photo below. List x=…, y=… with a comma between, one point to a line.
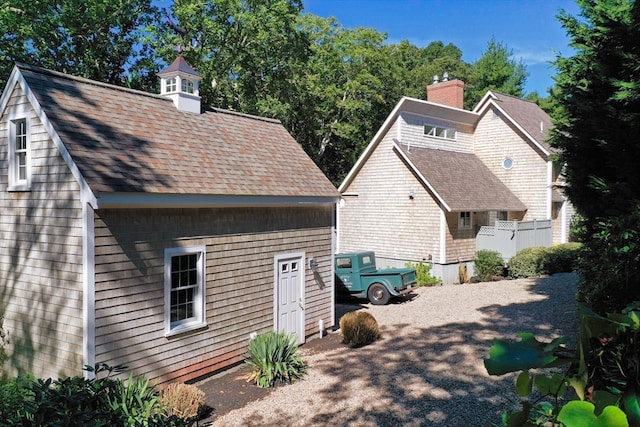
x=359, y=328
x=182, y=400
x=274, y=357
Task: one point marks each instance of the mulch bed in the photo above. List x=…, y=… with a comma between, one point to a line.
x=230, y=390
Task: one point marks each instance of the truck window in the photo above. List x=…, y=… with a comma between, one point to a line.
x=344, y=263
x=366, y=260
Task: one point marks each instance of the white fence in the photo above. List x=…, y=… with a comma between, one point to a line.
x=510, y=237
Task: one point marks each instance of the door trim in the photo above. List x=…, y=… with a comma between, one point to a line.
x=300, y=256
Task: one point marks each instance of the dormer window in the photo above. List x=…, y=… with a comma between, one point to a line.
x=187, y=86
x=172, y=85
x=440, y=132
x=19, y=155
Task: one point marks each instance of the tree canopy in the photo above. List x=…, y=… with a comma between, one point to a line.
x=332, y=87
x=597, y=129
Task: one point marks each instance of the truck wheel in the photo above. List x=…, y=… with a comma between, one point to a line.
x=378, y=294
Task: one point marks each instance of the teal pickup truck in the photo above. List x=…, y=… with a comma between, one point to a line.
x=356, y=274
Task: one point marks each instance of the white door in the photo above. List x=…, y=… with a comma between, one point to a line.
x=289, y=295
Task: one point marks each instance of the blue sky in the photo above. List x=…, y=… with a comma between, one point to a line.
x=528, y=27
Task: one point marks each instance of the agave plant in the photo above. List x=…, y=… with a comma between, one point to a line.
x=274, y=357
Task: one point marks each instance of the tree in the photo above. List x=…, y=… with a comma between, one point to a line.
x=98, y=39
x=597, y=132
x=495, y=70
x=246, y=50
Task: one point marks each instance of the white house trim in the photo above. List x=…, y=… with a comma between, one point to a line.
x=88, y=289
x=17, y=78
x=443, y=237
x=549, y=189
x=155, y=200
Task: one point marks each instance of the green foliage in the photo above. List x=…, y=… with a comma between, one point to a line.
x=537, y=261
x=495, y=70
x=98, y=39
x=359, y=328
x=423, y=274
x=105, y=401
x=274, y=357
x=13, y=393
x=596, y=132
x=488, y=265
x=605, y=371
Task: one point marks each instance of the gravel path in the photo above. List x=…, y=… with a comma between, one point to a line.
x=427, y=370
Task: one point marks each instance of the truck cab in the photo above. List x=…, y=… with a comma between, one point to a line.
x=357, y=274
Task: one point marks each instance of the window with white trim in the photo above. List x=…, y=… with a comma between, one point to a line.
x=171, y=85
x=19, y=155
x=440, y=132
x=184, y=289
x=187, y=85
x=464, y=221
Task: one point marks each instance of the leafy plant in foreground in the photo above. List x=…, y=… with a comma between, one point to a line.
x=274, y=357
x=604, y=373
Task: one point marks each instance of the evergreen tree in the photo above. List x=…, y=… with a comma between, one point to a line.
x=597, y=130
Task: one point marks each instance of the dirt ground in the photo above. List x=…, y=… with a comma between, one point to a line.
x=230, y=389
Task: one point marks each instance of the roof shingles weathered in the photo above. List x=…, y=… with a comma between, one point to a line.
x=462, y=181
x=126, y=141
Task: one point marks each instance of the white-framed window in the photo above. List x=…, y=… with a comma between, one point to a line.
x=171, y=85
x=187, y=86
x=507, y=163
x=19, y=155
x=184, y=289
x=464, y=221
x=440, y=132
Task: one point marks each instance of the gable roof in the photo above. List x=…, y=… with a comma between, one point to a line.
x=460, y=181
x=527, y=116
x=128, y=143
x=415, y=106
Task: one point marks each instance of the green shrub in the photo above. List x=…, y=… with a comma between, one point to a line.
x=359, y=328
x=423, y=274
x=527, y=263
x=13, y=393
x=488, y=265
x=183, y=400
x=561, y=258
x=536, y=261
x=274, y=357
x=97, y=402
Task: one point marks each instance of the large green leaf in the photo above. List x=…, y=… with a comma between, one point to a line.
x=581, y=414
x=509, y=356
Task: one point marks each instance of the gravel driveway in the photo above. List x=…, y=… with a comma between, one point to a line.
x=427, y=370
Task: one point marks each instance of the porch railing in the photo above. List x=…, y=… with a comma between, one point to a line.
x=510, y=237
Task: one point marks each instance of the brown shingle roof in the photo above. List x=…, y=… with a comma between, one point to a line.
x=130, y=141
x=462, y=181
x=528, y=115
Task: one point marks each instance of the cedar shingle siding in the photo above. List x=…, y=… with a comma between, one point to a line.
x=119, y=176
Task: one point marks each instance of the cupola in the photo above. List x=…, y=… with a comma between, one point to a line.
x=181, y=83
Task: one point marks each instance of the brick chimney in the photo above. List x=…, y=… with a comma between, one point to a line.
x=447, y=92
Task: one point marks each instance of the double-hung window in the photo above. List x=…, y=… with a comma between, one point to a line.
x=184, y=289
x=19, y=155
x=464, y=221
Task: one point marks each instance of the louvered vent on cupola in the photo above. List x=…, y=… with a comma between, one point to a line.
x=181, y=83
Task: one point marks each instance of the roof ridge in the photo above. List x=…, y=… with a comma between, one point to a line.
x=514, y=97
x=46, y=71
x=245, y=115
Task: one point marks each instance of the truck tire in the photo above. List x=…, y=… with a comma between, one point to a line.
x=378, y=294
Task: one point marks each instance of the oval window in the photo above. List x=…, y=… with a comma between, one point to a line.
x=507, y=163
